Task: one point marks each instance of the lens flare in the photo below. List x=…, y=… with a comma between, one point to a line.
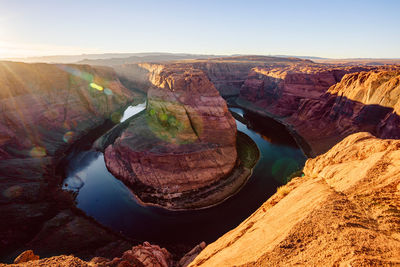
x=38, y=152
x=96, y=86
x=68, y=137
x=108, y=91
x=82, y=74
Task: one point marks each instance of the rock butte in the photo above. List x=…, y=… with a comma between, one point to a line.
x=186, y=140
x=343, y=211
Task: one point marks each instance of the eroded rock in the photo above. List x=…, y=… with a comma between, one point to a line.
x=26, y=256
x=185, y=141
x=325, y=103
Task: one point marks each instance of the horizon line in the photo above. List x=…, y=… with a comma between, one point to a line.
x=194, y=54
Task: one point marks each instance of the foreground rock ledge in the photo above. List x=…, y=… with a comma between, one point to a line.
x=344, y=211
x=141, y=255
x=186, y=140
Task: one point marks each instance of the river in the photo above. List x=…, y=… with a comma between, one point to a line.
x=100, y=195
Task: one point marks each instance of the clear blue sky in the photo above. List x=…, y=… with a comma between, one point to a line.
x=337, y=29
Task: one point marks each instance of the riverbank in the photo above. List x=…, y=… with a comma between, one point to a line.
x=250, y=107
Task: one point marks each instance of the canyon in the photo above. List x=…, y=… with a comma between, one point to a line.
x=321, y=114
x=344, y=210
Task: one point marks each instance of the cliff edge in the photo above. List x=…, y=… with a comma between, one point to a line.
x=345, y=210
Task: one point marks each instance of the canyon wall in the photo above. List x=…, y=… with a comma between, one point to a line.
x=344, y=211
x=302, y=98
x=227, y=74
x=362, y=101
x=281, y=89
x=296, y=93
x=43, y=109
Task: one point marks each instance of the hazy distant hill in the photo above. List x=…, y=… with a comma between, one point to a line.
x=138, y=58
x=109, y=58
x=359, y=61
x=113, y=59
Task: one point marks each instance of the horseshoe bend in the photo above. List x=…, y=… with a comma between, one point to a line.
x=183, y=152
x=241, y=156
x=185, y=142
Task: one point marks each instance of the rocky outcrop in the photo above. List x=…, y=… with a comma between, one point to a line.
x=186, y=140
x=344, y=211
x=191, y=255
x=281, y=89
x=26, y=256
x=362, y=101
x=381, y=87
x=60, y=261
x=145, y=255
x=44, y=108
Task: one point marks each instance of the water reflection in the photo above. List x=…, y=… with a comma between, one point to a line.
x=132, y=110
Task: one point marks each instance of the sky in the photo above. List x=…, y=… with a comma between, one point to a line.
x=334, y=29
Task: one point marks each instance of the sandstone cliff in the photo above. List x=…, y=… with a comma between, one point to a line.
x=344, y=211
x=281, y=89
x=296, y=92
x=186, y=141
x=227, y=74
x=44, y=108
x=360, y=99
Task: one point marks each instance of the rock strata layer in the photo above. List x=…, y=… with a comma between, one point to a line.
x=324, y=104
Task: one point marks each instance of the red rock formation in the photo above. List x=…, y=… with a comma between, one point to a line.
x=26, y=256
x=43, y=108
x=144, y=255
x=227, y=74
x=281, y=89
x=301, y=97
x=364, y=101
x=187, y=140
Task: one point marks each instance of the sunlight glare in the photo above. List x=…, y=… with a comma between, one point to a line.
x=96, y=86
